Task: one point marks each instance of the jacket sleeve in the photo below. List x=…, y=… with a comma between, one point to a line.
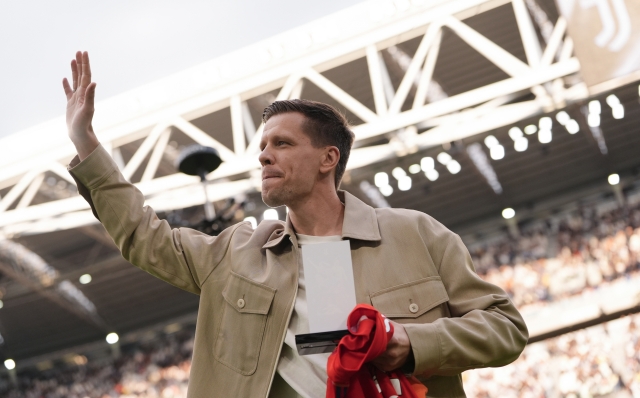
x=484, y=330
x=181, y=256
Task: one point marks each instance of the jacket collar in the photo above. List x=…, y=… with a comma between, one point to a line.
x=360, y=222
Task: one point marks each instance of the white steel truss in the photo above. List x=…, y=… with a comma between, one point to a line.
x=284, y=63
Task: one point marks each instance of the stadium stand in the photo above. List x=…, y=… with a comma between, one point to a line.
x=154, y=367
x=557, y=264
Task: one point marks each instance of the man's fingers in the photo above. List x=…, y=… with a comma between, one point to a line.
x=85, y=77
x=90, y=95
x=67, y=89
x=74, y=73
x=78, y=69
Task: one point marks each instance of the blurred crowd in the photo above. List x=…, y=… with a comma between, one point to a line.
x=563, y=255
x=156, y=367
x=603, y=360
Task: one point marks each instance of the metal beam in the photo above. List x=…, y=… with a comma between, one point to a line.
x=288, y=75
x=63, y=293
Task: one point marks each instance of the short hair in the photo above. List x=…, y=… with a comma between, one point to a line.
x=324, y=124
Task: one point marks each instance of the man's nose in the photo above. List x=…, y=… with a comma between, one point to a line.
x=265, y=157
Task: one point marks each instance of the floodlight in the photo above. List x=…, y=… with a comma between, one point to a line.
x=544, y=136
x=497, y=152
x=427, y=164
x=270, y=214
x=614, y=179
x=454, y=167
x=618, y=111
x=112, y=338
x=508, y=213
x=515, y=133
x=386, y=190
x=572, y=126
x=521, y=144
x=398, y=173
x=545, y=123
x=10, y=364
x=491, y=141
x=432, y=174
x=414, y=169
x=444, y=158
x=404, y=184
x=381, y=179
x=530, y=129
x=252, y=221
x=563, y=117
x=612, y=100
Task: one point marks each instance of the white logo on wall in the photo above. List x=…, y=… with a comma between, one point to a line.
x=616, y=31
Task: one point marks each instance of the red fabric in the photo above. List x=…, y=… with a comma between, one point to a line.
x=350, y=375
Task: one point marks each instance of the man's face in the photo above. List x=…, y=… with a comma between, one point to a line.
x=290, y=163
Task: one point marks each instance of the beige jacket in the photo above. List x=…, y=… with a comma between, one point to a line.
x=405, y=263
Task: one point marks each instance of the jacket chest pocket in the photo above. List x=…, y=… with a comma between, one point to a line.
x=241, y=328
x=415, y=301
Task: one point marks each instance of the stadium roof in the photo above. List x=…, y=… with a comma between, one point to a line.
x=416, y=79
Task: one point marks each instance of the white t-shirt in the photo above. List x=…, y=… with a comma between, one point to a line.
x=301, y=376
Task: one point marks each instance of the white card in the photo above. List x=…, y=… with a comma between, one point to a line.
x=331, y=293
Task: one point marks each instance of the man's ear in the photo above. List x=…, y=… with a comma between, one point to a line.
x=330, y=159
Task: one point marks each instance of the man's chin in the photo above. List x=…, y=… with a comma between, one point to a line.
x=271, y=199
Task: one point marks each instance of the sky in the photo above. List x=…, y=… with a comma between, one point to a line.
x=130, y=43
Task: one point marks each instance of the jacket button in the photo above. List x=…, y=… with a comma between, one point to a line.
x=241, y=303
x=414, y=308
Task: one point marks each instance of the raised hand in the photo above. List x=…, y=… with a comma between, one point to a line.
x=80, y=105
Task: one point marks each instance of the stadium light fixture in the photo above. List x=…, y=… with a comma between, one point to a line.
x=398, y=173
x=84, y=279
x=617, y=111
x=497, y=152
x=593, y=119
x=508, y=213
x=544, y=136
x=563, y=117
x=386, y=190
x=404, y=184
x=530, y=129
x=414, y=169
x=432, y=174
x=112, y=338
x=612, y=101
x=595, y=107
x=454, y=167
x=427, y=164
x=521, y=144
x=444, y=158
x=545, y=123
x=490, y=141
x=252, y=221
x=572, y=126
x=270, y=214
x=614, y=179
x=10, y=364
x=515, y=133
x=381, y=179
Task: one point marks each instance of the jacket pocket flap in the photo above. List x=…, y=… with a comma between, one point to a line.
x=410, y=300
x=247, y=296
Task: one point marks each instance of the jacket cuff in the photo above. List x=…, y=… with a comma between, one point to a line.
x=425, y=345
x=94, y=169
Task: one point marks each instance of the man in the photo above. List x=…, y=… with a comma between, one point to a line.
x=250, y=282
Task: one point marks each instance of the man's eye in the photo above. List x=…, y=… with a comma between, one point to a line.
x=280, y=143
